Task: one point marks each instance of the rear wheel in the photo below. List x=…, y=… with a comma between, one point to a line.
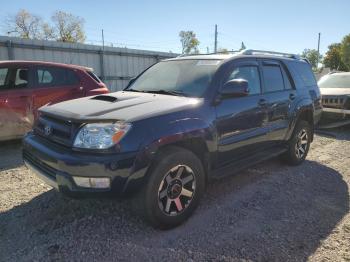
x=175, y=185
x=299, y=144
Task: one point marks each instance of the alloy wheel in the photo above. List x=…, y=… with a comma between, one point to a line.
x=301, y=144
x=176, y=190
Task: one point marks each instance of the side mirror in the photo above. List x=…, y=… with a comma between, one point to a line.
x=235, y=88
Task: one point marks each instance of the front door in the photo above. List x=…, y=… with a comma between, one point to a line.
x=16, y=117
x=241, y=121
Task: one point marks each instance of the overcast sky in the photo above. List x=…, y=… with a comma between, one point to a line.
x=287, y=26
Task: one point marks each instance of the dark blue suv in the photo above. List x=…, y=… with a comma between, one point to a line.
x=179, y=124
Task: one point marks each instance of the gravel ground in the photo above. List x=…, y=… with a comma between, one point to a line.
x=270, y=212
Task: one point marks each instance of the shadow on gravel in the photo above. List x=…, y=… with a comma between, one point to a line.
x=269, y=212
x=10, y=154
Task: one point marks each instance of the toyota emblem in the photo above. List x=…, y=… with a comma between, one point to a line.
x=48, y=130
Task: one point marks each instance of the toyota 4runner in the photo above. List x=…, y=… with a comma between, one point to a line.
x=179, y=124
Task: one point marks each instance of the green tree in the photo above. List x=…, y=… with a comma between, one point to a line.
x=312, y=55
x=345, y=50
x=333, y=58
x=68, y=27
x=242, y=47
x=189, y=42
x=223, y=50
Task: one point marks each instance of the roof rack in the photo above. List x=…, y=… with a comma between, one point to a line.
x=253, y=52
x=215, y=53
x=263, y=52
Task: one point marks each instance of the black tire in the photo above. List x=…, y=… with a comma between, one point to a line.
x=295, y=155
x=148, y=202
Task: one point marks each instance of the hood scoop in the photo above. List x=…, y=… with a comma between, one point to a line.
x=111, y=99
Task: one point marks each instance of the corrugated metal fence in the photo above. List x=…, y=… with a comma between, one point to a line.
x=114, y=65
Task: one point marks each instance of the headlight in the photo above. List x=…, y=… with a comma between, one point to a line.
x=100, y=135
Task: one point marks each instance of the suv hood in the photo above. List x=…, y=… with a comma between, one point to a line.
x=335, y=91
x=122, y=105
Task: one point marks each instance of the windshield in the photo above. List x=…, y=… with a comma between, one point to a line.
x=181, y=77
x=335, y=81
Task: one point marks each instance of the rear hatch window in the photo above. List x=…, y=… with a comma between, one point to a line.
x=95, y=77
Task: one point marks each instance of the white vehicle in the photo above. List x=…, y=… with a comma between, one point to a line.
x=335, y=90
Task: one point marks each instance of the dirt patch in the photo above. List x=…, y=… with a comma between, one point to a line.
x=270, y=212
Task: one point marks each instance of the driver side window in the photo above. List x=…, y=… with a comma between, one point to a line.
x=251, y=75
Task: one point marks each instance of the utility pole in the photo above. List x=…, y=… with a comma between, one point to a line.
x=102, y=57
x=103, y=41
x=318, y=49
x=216, y=39
x=207, y=50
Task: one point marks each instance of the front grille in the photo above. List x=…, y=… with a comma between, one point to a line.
x=335, y=101
x=43, y=167
x=61, y=131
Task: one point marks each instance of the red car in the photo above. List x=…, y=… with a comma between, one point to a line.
x=26, y=86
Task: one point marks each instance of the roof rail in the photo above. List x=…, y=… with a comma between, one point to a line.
x=215, y=53
x=263, y=52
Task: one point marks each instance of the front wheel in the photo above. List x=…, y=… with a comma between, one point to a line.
x=299, y=144
x=175, y=185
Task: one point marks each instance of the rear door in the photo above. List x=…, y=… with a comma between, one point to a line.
x=278, y=92
x=241, y=121
x=54, y=84
x=15, y=103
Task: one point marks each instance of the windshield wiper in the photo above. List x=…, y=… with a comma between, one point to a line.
x=166, y=92
x=132, y=90
x=161, y=91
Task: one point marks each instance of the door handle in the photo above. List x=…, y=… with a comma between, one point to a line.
x=291, y=96
x=262, y=102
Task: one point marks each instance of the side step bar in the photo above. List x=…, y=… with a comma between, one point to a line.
x=244, y=163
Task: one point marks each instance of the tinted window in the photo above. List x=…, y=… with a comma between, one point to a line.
x=21, y=80
x=11, y=78
x=54, y=76
x=95, y=77
x=287, y=80
x=273, y=78
x=250, y=74
x=305, y=73
x=44, y=76
x=3, y=74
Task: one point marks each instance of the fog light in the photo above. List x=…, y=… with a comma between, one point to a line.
x=92, y=182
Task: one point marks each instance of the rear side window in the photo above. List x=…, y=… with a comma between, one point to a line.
x=14, y=78
x=305, y=73
x=273, y=78
x=55, y=76
x=44, y=76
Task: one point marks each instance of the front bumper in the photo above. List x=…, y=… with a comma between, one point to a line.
x=337, y=111
x=56, y=165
